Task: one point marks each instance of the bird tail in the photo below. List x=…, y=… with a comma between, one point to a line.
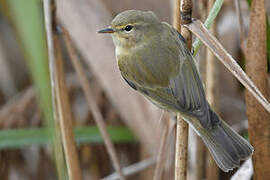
x=226, y=146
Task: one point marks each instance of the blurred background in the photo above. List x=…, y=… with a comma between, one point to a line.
x=133, y=123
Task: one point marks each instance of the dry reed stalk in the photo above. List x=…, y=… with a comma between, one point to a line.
x=65, y=117
x=185, y=7
x=56, y=136
x=62, y=107
x=162, y=148
x=168, y=171
x=176, y=15
x=213, y=44
x=134, y=168
x=181, y=149
x=200, y=159
x=93, y=107
x=211, y=85
x=246, y=169
x=256, y=68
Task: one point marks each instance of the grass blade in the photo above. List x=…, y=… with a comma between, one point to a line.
x=28, y=22
x=23, y=138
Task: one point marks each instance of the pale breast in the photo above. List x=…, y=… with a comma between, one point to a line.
x=151, y=63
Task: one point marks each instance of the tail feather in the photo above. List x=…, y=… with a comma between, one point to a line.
x=226, y=146
x=243, y=146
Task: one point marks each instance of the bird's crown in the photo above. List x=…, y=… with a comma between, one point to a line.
x=133, y=17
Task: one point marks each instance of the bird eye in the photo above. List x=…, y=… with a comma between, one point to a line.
x=128, y=28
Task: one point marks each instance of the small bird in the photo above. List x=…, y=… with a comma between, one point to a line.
x=154, y=60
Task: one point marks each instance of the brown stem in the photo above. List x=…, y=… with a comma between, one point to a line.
x=49, y=13
x=200, y=158
x=214, y=45
x=181, y=149
x=176, y=16
x=62, y=107
x=256, y=68
x=65, y=116
x=185, y=7
x=162, y=150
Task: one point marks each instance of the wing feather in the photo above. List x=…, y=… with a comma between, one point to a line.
x=184, y=92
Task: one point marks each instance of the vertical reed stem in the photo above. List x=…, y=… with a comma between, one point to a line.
x=162, y=149
x=256, y=68
x=185, y=7
x=62, y=109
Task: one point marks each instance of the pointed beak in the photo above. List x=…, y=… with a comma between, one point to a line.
x=107, y=30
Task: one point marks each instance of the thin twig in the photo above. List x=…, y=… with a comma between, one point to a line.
x=93, y=107
x=212, y=43
x=170, y=152
x=162, y=151
x=133, y=169
x=65, y=116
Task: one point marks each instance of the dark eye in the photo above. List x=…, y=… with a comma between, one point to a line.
x=128, y=28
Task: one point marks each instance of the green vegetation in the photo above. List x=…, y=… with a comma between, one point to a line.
x=20, y=138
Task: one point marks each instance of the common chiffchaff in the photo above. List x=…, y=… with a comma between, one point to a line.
x=154, y=60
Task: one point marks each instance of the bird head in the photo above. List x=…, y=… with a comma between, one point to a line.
x=131, y=27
